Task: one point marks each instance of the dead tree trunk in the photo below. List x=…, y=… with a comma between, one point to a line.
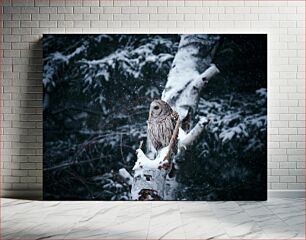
x=192, y=68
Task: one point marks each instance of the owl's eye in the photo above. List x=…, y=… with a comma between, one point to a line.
x=156, y=107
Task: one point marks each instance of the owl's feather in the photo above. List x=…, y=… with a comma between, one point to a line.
x=161, y=124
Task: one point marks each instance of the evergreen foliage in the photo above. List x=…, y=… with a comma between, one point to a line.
x=97, y=91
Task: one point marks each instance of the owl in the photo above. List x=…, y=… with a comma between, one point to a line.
x=161, y=124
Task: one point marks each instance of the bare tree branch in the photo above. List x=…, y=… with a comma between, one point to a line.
x=173, y=140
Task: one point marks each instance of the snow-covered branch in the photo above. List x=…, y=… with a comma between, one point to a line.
x=186, y=140
x=192, y=68
x=163, y=155
x=150, y=176
x=143, y=162
x=126, y=176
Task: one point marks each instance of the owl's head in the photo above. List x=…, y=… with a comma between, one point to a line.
x=159, y=108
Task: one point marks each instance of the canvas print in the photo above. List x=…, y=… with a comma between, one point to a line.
x=155, y=117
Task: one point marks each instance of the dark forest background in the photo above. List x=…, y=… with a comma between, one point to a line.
x=97, y=91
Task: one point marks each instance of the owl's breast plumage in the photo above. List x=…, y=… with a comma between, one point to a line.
x=160, y=130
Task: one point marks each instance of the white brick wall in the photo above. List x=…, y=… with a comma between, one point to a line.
x=24, y=22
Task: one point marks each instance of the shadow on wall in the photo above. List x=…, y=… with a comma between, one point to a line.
x=30, y=141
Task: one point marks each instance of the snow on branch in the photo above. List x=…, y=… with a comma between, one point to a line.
x=192, y=68
x=150, y=174
x=163, y=155
x=163, y=159
x=143, y=162
x=209, y=73
x=126, y=176
x=186, y=140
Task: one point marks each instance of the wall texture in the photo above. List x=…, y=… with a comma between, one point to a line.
x=24, y=22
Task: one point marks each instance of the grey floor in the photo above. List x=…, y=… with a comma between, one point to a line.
x=273, y=219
